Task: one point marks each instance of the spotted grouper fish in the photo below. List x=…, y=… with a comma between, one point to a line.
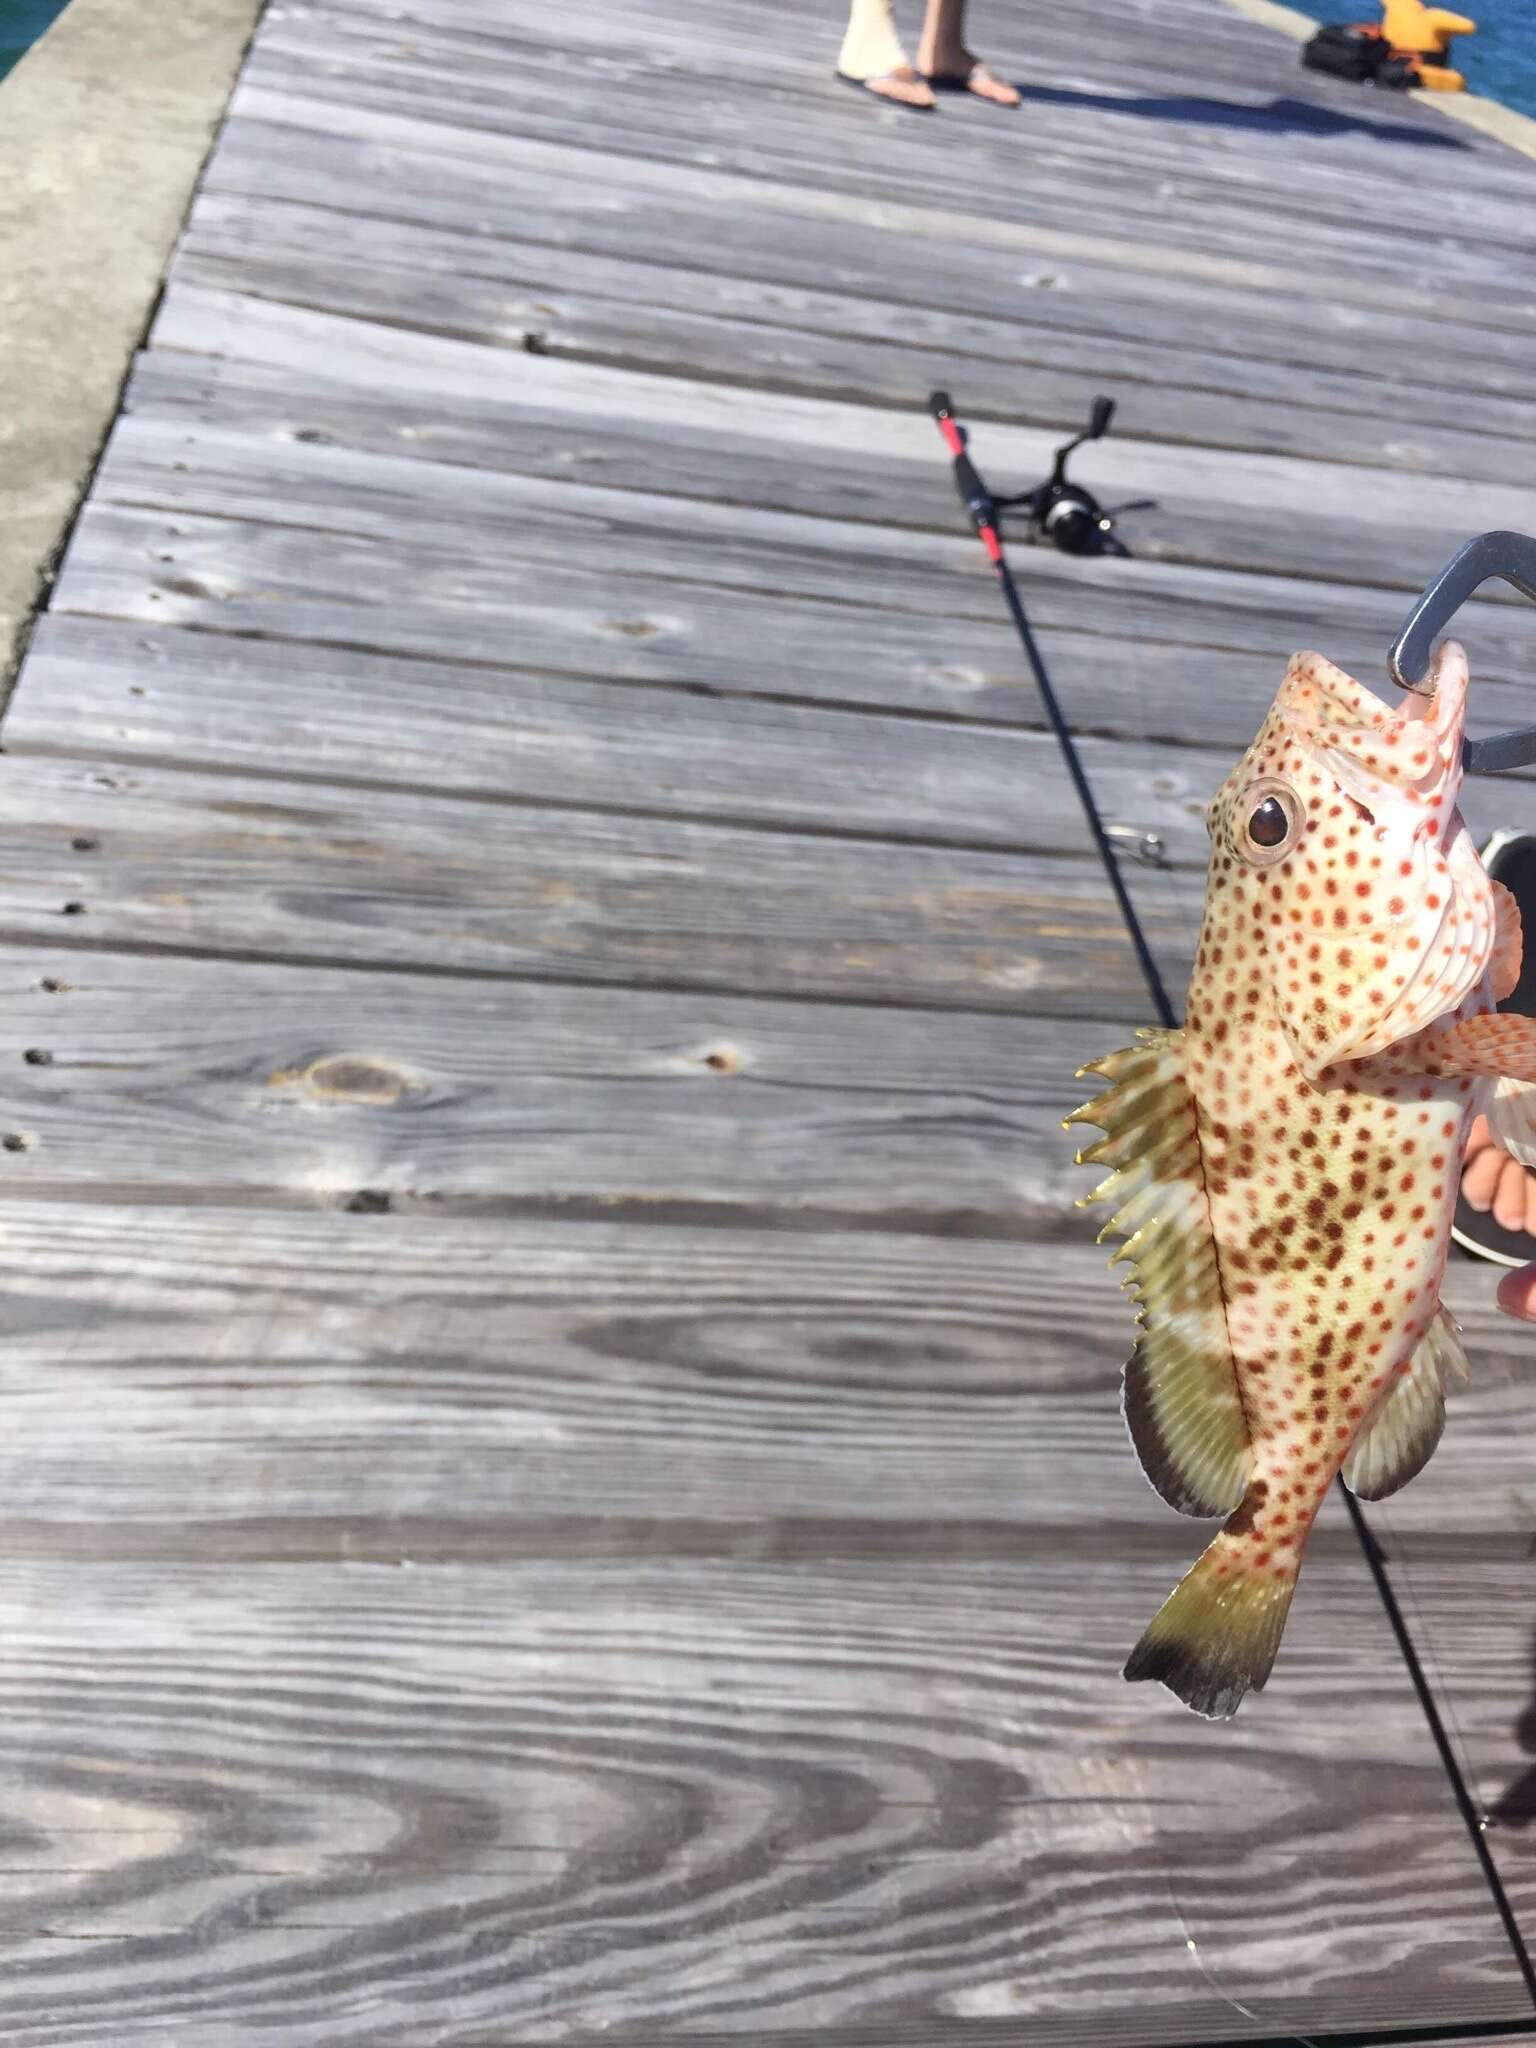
x=1284, y=1169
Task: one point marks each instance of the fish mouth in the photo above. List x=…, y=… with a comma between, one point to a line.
x=1441, y=706
x=1414, y=744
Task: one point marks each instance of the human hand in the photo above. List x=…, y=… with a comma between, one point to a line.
x=1490, y=1179
x=1517, y=1294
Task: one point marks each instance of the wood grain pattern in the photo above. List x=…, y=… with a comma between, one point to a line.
x=655, y=1783
x=472, y=407
x=1024, y=365
x=648, y=95
x=318, y=1088
x=156, y=857
x=162, y=694
x=424, y=169
x=165, y=694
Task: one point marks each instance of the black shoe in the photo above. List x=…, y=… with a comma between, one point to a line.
x=1510, y=858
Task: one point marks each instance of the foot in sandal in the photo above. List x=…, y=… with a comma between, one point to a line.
x=901, y=84
x=958, y=71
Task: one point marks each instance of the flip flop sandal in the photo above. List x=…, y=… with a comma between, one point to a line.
x=960, y=81
x=1510, y=858
x=867, y=85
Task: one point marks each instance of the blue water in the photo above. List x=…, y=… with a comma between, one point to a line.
x=1499, y=61
x=21, y=23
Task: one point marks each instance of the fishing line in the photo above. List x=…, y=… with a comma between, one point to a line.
x=1405, y=1572
x=982, y=509
x=1237, y=2005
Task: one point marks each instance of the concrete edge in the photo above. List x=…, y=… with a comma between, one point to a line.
x=105, y=126
x=1489, y=117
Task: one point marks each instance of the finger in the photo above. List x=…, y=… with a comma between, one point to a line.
x=1530, y=1203
x=1509, y=1195
x=1517, y=1294
x=1482, y=1176
x=1478, y=1136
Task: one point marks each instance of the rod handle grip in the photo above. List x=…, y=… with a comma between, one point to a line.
x=971, y=491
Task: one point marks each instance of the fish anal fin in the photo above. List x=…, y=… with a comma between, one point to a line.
x=1397, y=1444
x=1182, y=1404
x=1508, y=943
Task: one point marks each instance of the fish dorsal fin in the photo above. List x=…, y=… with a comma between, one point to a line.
x=1397, y=1444
x=1182, y=1403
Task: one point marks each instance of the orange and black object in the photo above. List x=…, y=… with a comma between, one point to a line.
x=984, y=510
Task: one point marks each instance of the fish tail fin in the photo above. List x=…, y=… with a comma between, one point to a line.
x=1214, y=1638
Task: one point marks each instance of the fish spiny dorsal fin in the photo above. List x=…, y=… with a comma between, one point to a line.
x=1396, y=1446
x=1182, y=1404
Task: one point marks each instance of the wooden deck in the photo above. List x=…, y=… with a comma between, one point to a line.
x=563, y=1476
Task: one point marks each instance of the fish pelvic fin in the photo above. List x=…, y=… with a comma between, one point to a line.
x=1397, y=1444
x=1182, y=1403
x=1215, y=1637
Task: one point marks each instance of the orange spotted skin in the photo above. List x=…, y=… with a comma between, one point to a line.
x=1330, y=1158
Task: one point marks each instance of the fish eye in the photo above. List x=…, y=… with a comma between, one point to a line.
x=1269, y=825
x=1271, y=819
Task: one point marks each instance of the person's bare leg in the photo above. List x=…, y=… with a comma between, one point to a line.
x=941, y=53
x=873, y=55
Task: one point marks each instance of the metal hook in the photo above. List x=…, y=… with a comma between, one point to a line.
x=1509, y=555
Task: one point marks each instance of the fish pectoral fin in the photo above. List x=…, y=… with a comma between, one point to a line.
x=1182, y=1404
x=1397, y=1444
x=1495, y=1045
x=1508, y=943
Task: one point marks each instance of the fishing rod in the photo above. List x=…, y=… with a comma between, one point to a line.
x=1070, y=517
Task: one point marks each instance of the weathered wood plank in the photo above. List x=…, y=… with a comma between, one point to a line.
x=1054, y=309
x=488, y=1803
x=913, y=1789
x=102, y=688
x=1160, y=62
x=249, y=581
x=597, y=308
x=525, y=75
x=254, y=868
x=349, y=157
x=440, y=399
x=1481, y=254
x=263, y=474
x=437, y=559
x=99, y=687
x=315, y=1088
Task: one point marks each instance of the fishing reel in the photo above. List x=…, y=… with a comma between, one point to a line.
x=1068, y=515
